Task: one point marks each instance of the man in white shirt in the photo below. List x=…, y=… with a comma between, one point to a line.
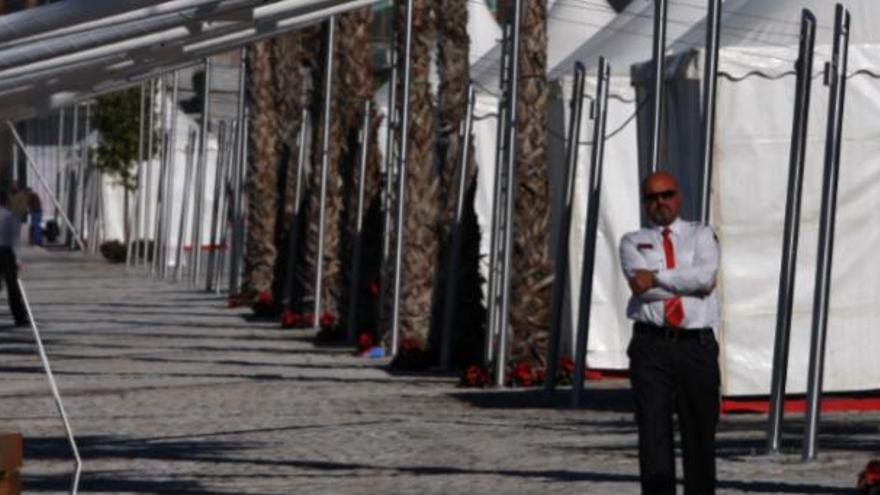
x=671, y=267
x=10, y=232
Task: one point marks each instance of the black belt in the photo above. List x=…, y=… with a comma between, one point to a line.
x=674, y=333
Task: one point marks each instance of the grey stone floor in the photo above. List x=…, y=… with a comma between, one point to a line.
x=170, y=392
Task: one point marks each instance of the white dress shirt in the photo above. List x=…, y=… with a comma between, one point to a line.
x=693, y=278
x=10, y=230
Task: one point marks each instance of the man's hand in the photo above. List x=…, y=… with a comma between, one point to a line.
x=641, y=281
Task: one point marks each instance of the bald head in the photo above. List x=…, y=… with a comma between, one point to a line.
x=661, y=198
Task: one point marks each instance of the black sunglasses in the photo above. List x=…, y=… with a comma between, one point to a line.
x=667, y=194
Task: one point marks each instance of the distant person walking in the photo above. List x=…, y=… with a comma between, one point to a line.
x=671, y=267
x=10, y=231
x=35, y=210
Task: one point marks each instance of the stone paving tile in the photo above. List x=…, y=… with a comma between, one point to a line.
x=170, y=392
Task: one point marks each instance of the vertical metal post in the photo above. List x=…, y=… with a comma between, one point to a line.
x=219, y=175
x=597, y=157
x=238, y=185
x=836, y=73
x=391, y=127
x=133, y=232
x=160, y=182
x=73, y=175
x=227, y=204
x=77, y=237
x=149, y=251
x=710, y=90
x=510, y=164
x=659, y=56
x=325, y=159
x=561, y=278
x=449, y=301
x=200, y=176
x=184, y=203
x=497, y=199
x=59, y=161
x=355, y=279
x=791, y=229
x=169, y=180
x=83, y=169
x=56, y=395
x=401, y=179
x=296, y=219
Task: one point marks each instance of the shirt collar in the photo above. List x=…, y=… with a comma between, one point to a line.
x=674, y=227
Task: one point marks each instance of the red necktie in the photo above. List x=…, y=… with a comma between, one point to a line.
x=673, y=311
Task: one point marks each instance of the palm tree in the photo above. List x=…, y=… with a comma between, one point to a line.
x=422, y=204
x=532, y=268
x=290, y=100
x=262, y=194
x=454, y=70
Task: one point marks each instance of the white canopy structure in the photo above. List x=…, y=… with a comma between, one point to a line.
x=755, y=102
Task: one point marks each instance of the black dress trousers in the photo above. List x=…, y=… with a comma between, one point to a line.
x=9, y=270
x=678, y=374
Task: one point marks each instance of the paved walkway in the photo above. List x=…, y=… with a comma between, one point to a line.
x=170, y=392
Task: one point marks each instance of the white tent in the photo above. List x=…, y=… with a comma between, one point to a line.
x=625, y=40
x=755, y=102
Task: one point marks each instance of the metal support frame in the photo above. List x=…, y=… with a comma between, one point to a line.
x=53, y=385
x=293, y=237
x=355, y=278
x=184, y=203
x=403, y=150
x=836, y=74
x=76, y=235
x=597, y=156
x=70, y=180
x=710, y=90
x=227, y=206
x=449, y=301
x=510, y=164
x=132, y=232
x=82, y=171
x=791, y=230
x=149, y=248
x=659, y=57
x=560, y=278
x=59, y=162
x=237, y=182
x=497, y=198
x=388, y=185
x=216, y=210
x=171, y=166
x=160, y=178
x=202, y=170
x=325, y=165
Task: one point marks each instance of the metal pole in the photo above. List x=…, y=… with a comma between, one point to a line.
x=219, y=175
x=401, y=178
x=30, y=161
x=355, y=279
x=388, y=193
x=325, y=158
x=497, y=199
x=790, y=234
x=73, y=175
x=148, y=181
x=133, y=227
x=293, y=238
x=56, y=395
x=200, y=176
x=59, y=161
x=710, y=81
x=160, y=190
x=659, y=56
x=237, y=207
x=228, y=203
x=449, y=301
x=510, y=159
x=172, y=172
x=83, y=169
x=836, y=73
x=561, y=278
x=586, y=297
x=184, y=205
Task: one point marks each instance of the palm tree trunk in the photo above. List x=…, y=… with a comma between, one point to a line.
x=454, y=70
x=532, y=268
x=262, y=194
x=421, y=205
